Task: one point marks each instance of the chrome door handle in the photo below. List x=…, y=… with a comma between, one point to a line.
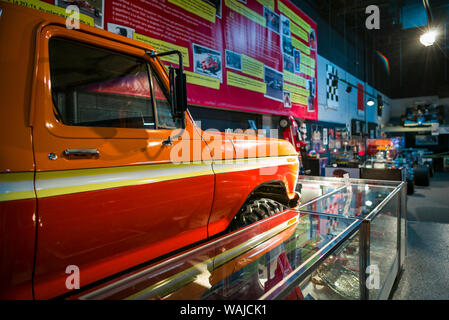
x=81, y=153
x=168, y=142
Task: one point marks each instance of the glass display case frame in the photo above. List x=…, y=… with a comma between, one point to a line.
x=321, y=250
x=397, y=198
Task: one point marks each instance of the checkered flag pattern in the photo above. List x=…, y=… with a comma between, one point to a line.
x=331, y=92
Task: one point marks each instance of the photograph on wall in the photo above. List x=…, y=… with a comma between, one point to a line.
x=316, y=133
x=297, y=61
x=274, y=80
x=121, y=30
x=285, y=26
x=358, y=129
x=207, y=61
x=287, y=100
x=312, y=40
x=331, y=138
x=287, y=45
x=91, y=8
x=289, y=63
x=310, y=104
x=272, y=20
x=316, y=138
x=233, y=60
x=311, y=86
x=217, y=4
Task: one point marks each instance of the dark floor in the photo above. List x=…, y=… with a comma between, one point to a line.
x=426, y=274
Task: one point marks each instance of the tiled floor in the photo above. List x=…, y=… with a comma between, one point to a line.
x=426, y=274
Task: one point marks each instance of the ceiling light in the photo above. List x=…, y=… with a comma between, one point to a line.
x=428, y=38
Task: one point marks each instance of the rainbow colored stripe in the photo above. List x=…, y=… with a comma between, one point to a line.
x=384, y=60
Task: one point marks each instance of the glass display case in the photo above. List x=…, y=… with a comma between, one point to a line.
x=344, y=241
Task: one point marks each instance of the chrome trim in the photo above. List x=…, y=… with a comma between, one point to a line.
x=364, y=257
x=331, y=215
x=81, y=151
x=373, y=214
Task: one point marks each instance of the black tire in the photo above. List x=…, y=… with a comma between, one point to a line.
x=422, y=177
x=255, y=210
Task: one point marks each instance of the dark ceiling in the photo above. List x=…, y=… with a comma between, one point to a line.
x=415, y=70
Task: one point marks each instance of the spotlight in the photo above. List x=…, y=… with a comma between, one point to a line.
x=428, y=38
x=370, y=102
x=349, y=89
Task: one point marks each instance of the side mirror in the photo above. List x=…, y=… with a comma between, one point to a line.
x=178, y=94
x=178, y=87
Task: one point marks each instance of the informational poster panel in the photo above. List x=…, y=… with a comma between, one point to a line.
x=360, y=100
x=249, y=55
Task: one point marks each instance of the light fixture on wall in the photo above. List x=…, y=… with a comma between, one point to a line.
x=349, y=89
x=370, y=102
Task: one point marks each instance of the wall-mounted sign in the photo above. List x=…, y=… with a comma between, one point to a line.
x=254, y=55
x=360, y=100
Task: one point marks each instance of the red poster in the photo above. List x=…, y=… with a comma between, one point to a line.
x=249, y=55
x=360, y=100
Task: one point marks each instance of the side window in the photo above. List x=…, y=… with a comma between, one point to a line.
x=163, y=107
x=97, y=87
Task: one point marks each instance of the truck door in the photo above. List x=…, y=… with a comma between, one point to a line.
x=109, y=194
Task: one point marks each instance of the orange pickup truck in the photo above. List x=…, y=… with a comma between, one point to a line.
x=102, y=166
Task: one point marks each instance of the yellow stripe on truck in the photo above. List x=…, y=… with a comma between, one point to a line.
x=43, y=193
x=17, y=186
